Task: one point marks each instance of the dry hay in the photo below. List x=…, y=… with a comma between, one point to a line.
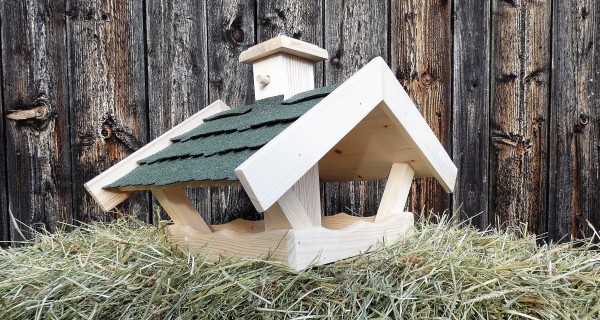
x=126, y=269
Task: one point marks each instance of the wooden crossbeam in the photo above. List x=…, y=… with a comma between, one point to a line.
x=287, y=213
x=180, y=208
x=396, y=191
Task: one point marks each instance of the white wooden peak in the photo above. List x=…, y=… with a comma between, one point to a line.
x=283, y=66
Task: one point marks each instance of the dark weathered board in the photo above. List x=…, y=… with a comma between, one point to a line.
x=520, y=76
x=355, y=33
x=107, y=94
x=4, y=219
x=471, y=107
x=177, y=70
x=296, y=19
x=421, y=59
x=231, y=30
x=37, y=149
x=574, y=194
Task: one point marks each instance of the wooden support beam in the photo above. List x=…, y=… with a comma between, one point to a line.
x=287, y=213
x=108, y=199
x=396, y=191
x=180, y=208
x=307, y=190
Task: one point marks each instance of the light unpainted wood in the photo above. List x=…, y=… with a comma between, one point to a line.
x=317, y=245
x=277, y=166
x=288, y=75
x=271, y=244
x=180, y=208
x=298, y=248
x=276, y=219
x=186, y=184
x=342, y=220
x=284, y=44
x=407, y=118
x=368, y=151
x=396, y=191
x=241, y=225
x=287, y=212
x=108, y=199
x=309, y=195
x=338, y=221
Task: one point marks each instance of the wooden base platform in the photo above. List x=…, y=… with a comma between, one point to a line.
x=341, y=236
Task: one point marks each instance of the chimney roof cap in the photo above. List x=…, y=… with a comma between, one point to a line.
x=285, y=44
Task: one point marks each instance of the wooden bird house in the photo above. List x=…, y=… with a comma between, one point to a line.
x=278, y=149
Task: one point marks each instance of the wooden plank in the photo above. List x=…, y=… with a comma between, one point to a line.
x=316, y=246
x=180, y=208
x=355, y=32
x=307, y=189
x=574, y=119
x=231, y=30
x=295, y=19
x=277, y=166
x=519, y=112
x=177, y=65
x=283, y=44
x=107, y=95
x=269, y=245
x=396, y=191
x=4, y=217
x=471, y=107
x=108, y=199
x=421, y=58
x=288, y=212
x=37, y=150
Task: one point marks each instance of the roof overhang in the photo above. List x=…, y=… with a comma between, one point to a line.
x=274, y=169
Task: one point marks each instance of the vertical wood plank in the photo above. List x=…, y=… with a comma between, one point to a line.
x=421, y=44
x=37, y=150
x=470, y=125
x=230, y=31
x=575, y=119
x=4, y=221
x=355, y=32
x=177, y=71
x=519, y=112
x=107, y=94
x=297, y=19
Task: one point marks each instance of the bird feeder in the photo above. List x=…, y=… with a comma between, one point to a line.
x=279, y=148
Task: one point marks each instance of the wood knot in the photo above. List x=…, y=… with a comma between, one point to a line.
x=426, y=79
x=237, y=35
x=584, y=119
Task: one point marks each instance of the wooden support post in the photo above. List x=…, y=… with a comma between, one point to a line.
x=307, y=189
x=396, y=191
x=287, y=213
x=180, y=208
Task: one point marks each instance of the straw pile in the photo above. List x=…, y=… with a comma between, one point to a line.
x=127, y=270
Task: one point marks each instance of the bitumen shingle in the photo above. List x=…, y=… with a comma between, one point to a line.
x=222, y=142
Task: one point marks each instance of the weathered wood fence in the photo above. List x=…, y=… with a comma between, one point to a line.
x=511, y=87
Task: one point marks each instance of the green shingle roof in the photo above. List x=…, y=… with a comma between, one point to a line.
x=222, y=142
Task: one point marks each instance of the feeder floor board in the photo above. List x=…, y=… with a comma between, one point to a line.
x=342, y=236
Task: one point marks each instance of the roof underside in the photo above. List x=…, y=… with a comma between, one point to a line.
x=211, y=151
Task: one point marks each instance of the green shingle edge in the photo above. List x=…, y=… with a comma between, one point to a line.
x=312, y=94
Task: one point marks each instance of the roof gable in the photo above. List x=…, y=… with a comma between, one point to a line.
x=273, y=169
